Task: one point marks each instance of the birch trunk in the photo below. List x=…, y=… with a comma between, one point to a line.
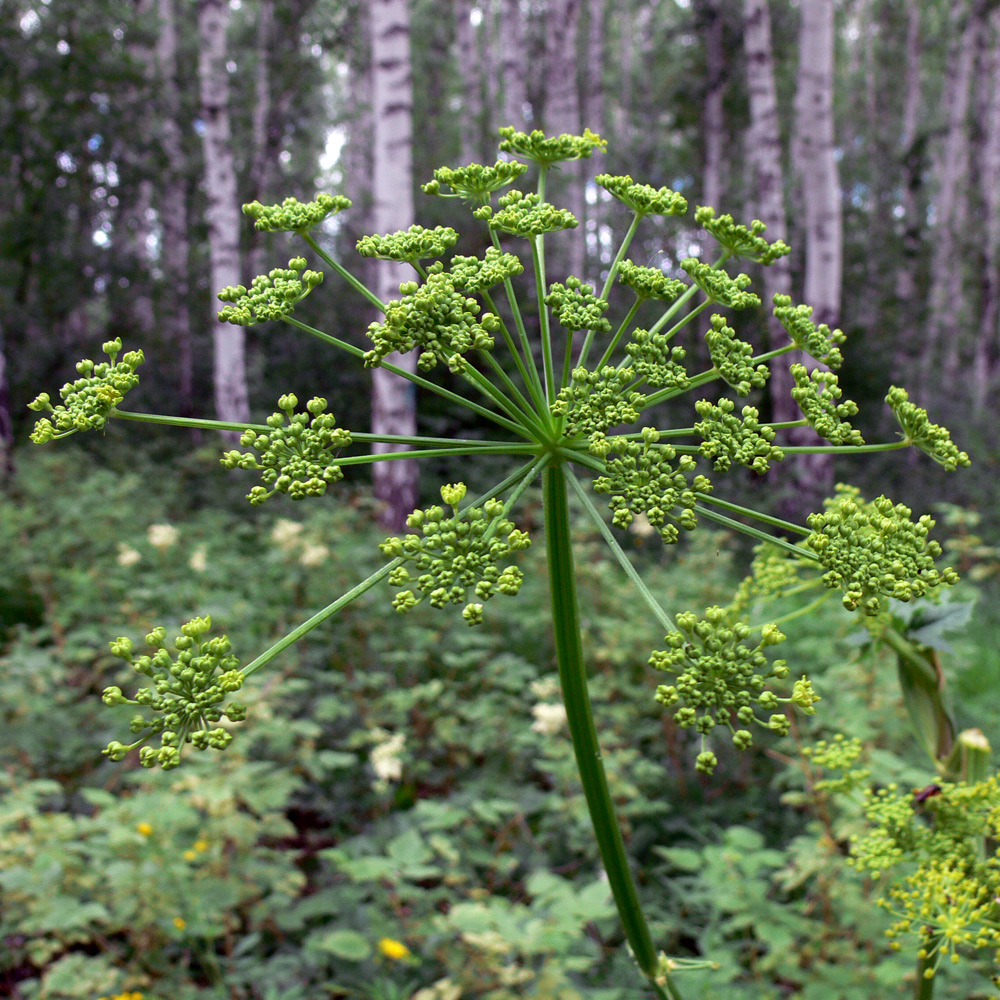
x=986, y=356
x=174, y=317
x=820, y=179
x=808, y=475
x=948, y=308
x=513, y=72
x=229, y=370
x=393, y=398
x=713, y=120
x=470, y=65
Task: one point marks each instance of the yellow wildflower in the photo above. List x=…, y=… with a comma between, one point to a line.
x=180, y=923
x=189, y=855
x=393, y=949
x=144, y=828
x=201, y=845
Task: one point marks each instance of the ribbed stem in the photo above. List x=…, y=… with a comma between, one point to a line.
x=573, y=678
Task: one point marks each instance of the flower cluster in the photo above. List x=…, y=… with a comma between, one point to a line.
x=478, y=274
x=651, y=479
x=719, y=285
x=733, y=358
x=88, y=401
x=546, y=150
x=189, y=687
x=409, y=245
x=874, y=549
x=817, y=394
x=643, y=199
x=475, y=182
x=271, y=296
x=526, y=215
x=719, y=675
x=296, y=456
x=436, y=316
x=654, y=360
x=772, y=572
x=293, y=215
x=838, y=754
x=597, y=400
x=949, y=899
x=932, y=439
x=456, y=553
x=739, y=240
x=729, y=439
x=577, y=307
x=819, y=342
x=649, y=282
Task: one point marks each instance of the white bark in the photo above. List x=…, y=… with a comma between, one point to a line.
x=470, y=66
x=513, y=72
x=712, y=118
x=819, y=176
x=393, y=398
x=223, y=206
x=175, y=320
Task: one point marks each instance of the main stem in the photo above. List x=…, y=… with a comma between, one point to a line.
x=573, y=678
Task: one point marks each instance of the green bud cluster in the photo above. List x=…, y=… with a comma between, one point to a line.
x=732, y=358
x=838, y=754
x=475, y=182
x=88, y=401
x=719, y=675
x=772, y=571
x=729, y=439
x=478, y=274
x=817, y=394
x=453, y=554
x=651, y=479
x=649, y=282
x=546, y=150
x=577, y=307
x=297, y=456
x=293, y=215
x=437, y=317
x=932, y=439
x=410, y=245
x=189, y=687
x=654, y=360
x=526, y=215
x=949, y=891
x=595, y=401
x=720, y=286
x=271, y=296
x=739, y=240
x=819, y=342
x=643, y=199
x=874, y=549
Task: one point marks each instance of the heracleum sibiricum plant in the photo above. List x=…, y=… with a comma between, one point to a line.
x=575, y=396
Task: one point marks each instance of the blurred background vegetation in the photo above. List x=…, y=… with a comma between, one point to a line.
x=287, y=867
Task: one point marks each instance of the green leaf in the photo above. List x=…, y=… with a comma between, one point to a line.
x=347, y=944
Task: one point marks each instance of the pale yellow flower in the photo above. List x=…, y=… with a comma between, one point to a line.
x=285, y=533
x=393, y=949
x=180, y=923
x=545, y=688
x=127, y=556
x=385, y=758
x=199, y=559
x=162, y=536
x=549, y=718
x=313, y=555
x=189, y=855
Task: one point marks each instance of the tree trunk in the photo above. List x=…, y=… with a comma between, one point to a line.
x=393, y=399
x=223, y=207
x=712, y=118
x=986, y=355
x=912, y=155
x=174, y=317
x=513, y=71
x=6, y=425
x=820, y=180
x=265, y=131
x=948, y=307
x=470, y=66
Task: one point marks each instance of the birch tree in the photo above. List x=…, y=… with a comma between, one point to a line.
x=470, y=65
x=713, y=122
x=393, y=399
x=223, y=212
x=513, y=72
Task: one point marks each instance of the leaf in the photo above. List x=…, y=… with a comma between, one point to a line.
x=347, y=944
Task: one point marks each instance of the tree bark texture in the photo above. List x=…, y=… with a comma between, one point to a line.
x=713, y=121
x=912, y=155
x=223, y=207
x=393, y=398
x=470, y=66
x=513, y=70
x=174, y=317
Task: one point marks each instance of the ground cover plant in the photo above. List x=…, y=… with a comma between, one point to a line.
x=570, y=391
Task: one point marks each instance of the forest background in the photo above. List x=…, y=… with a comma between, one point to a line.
x=865, y=132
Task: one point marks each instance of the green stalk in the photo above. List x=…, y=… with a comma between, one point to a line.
x=538, y=258
x=619, y=333
x=390, y=456
x=761, y=536
x=573, y=678
x=835, y=449
x=191, y=422
x=775, y=522
x=345, y=274
x=924, y=989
